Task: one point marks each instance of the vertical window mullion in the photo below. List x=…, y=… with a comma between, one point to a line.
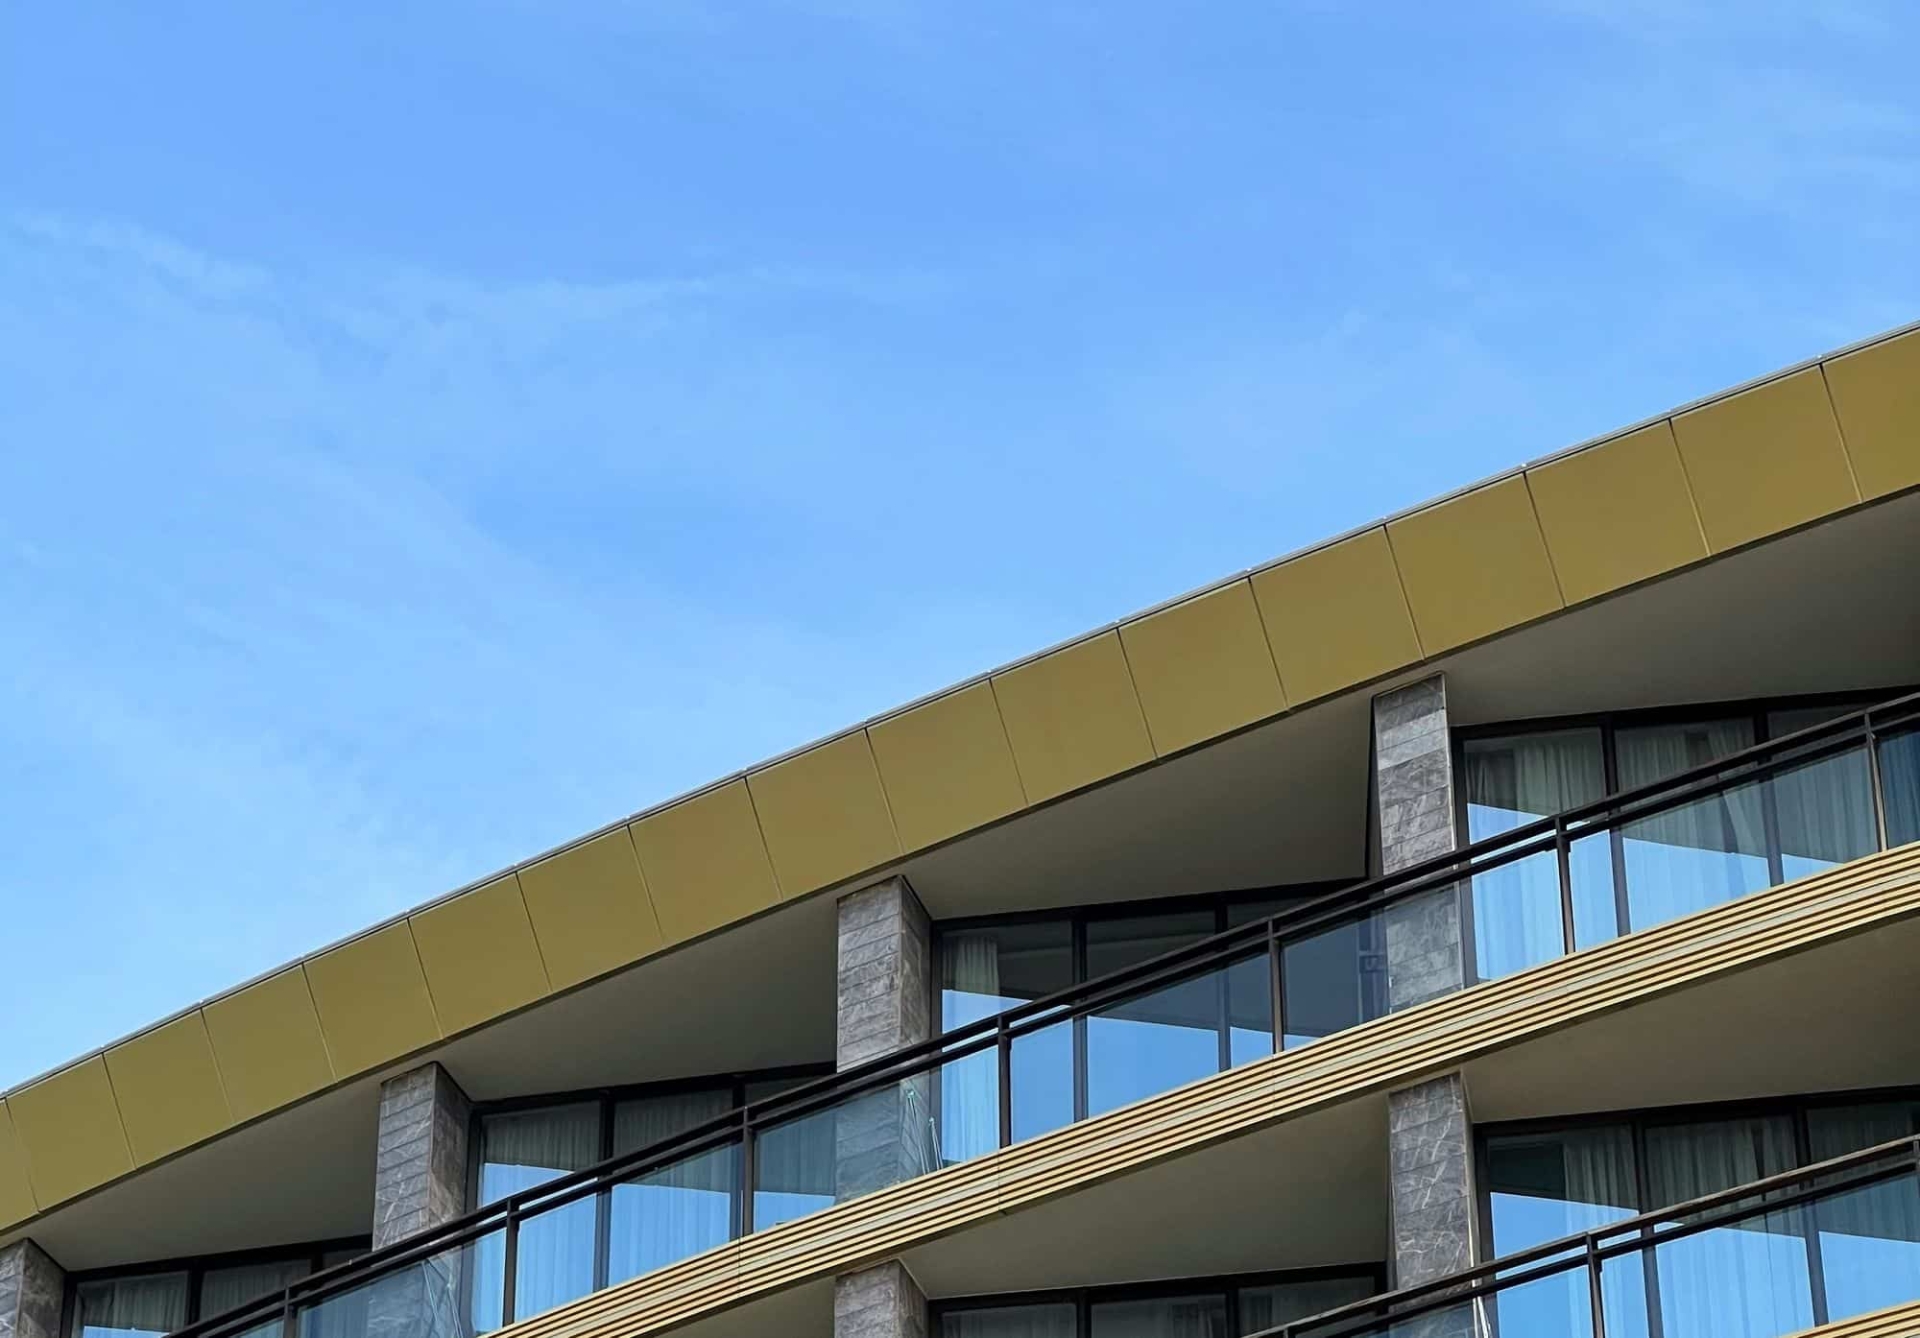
x=603, y=1202
x=1080, y=1020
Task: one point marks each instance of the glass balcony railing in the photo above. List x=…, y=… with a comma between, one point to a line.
x=1762, y=1260
x=1313, y=970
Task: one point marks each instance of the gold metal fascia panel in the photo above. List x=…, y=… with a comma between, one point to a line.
x=1617, y=513
x=16, y=1194
x=168, y=1088
x=705, y=862
x=1876, y=396
x=1391, y=1052
x=479, y=955
x=823, y=814
x=372, y=998
x=1765, y=460
x=1202, y=668
x=1073, y=717
x=946, y=766
x=266, y=1040
x=1474, y=565
x=69, y=1128
x=1336, y=616
x=590, y=908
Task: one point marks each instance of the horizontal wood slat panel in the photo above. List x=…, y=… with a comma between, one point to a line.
x=1391, y=1052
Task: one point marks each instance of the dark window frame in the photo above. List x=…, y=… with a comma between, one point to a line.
x=197, y=1266
x=1754, y=710
x=1640, y=1120
x=1227, y=1285
x=605, y=1098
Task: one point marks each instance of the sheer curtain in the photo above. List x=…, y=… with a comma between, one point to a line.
x=1825, y=808
x=556, y=1249
x=221, y=1289
x=970, y=1085
x=1542, y=1187
x=1699, y=854
x=1750, y=1280
x=1264, y=1307
x=1516, y=909
x=1170, y=1317
x=1049, y=1320
x=683, y=1208
x=155, y=1304
x=1900, y=786
x=1870, y=1237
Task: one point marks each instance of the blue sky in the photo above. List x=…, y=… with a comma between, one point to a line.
x=428, y=431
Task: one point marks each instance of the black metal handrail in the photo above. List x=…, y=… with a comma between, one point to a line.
x=1778, y=1193
x=741, y=1125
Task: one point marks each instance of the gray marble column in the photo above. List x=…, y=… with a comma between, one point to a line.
x=32, y=1288
x=880, y=1302
x=419, y=1182
x=1413, y=797
x=1430, y=1150
x=1429, y=1135
x=884, y=1000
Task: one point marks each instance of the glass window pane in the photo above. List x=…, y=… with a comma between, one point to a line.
x=555, y=1253
x=222, y=1289
x=1250, y=1008
x=1542, y=1187
x=422, y=1301
x=1264, y=1307
x=1869, y=1237
x=1333, y=980
x=983, y=972
x=1051, y=1320
x=1042, y=1074
x=1187, y=1316
x=679, y=1210
x=1698, y=854
x=793, y=1168
x=1159, y=1041
x=1509, y=783
x=1900, y=786
x=1748, y=1280
x=124, y=1307
x=1825, y=813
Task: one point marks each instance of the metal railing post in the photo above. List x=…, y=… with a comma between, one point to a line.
x=510, y=1267
x=746, y=1172
x=1878, y=787
x=1596, y=1297
x=1563, y=854
x=1003, y=1056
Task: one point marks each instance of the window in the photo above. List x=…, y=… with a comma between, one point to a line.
x=1215, y=1308
x=1771, y=1274
x=1671, y=863
x=1079, y=1067
x=159, y=1299
x=657, y=1218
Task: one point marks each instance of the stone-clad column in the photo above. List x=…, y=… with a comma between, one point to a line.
x=880, y=1302
x=1413, y=785
x=1430, y=1140
x=883, y=1003
x=32, y=1288
x=420, y=1167
x=1430, y=1147
x=419, y=1182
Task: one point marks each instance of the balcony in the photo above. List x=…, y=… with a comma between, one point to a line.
x=1776, y=1256
x=1281, y=984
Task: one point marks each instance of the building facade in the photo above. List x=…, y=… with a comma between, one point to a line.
x=1496, y=921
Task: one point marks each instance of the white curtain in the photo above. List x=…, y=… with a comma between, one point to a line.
x=1698, y=854
x=1546, y=1186
x=1870, y=1237
x=1264, y=1307
x=556, y=1248
x=1749, y=1280
x=1900, y=786
x=794, y=1168
x=1173, y=1317
x=970, y=1086
x=682, y=1208
x=222, y=1289
x=156, y=1303
x=1050, y=1320
x=1517, y=917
